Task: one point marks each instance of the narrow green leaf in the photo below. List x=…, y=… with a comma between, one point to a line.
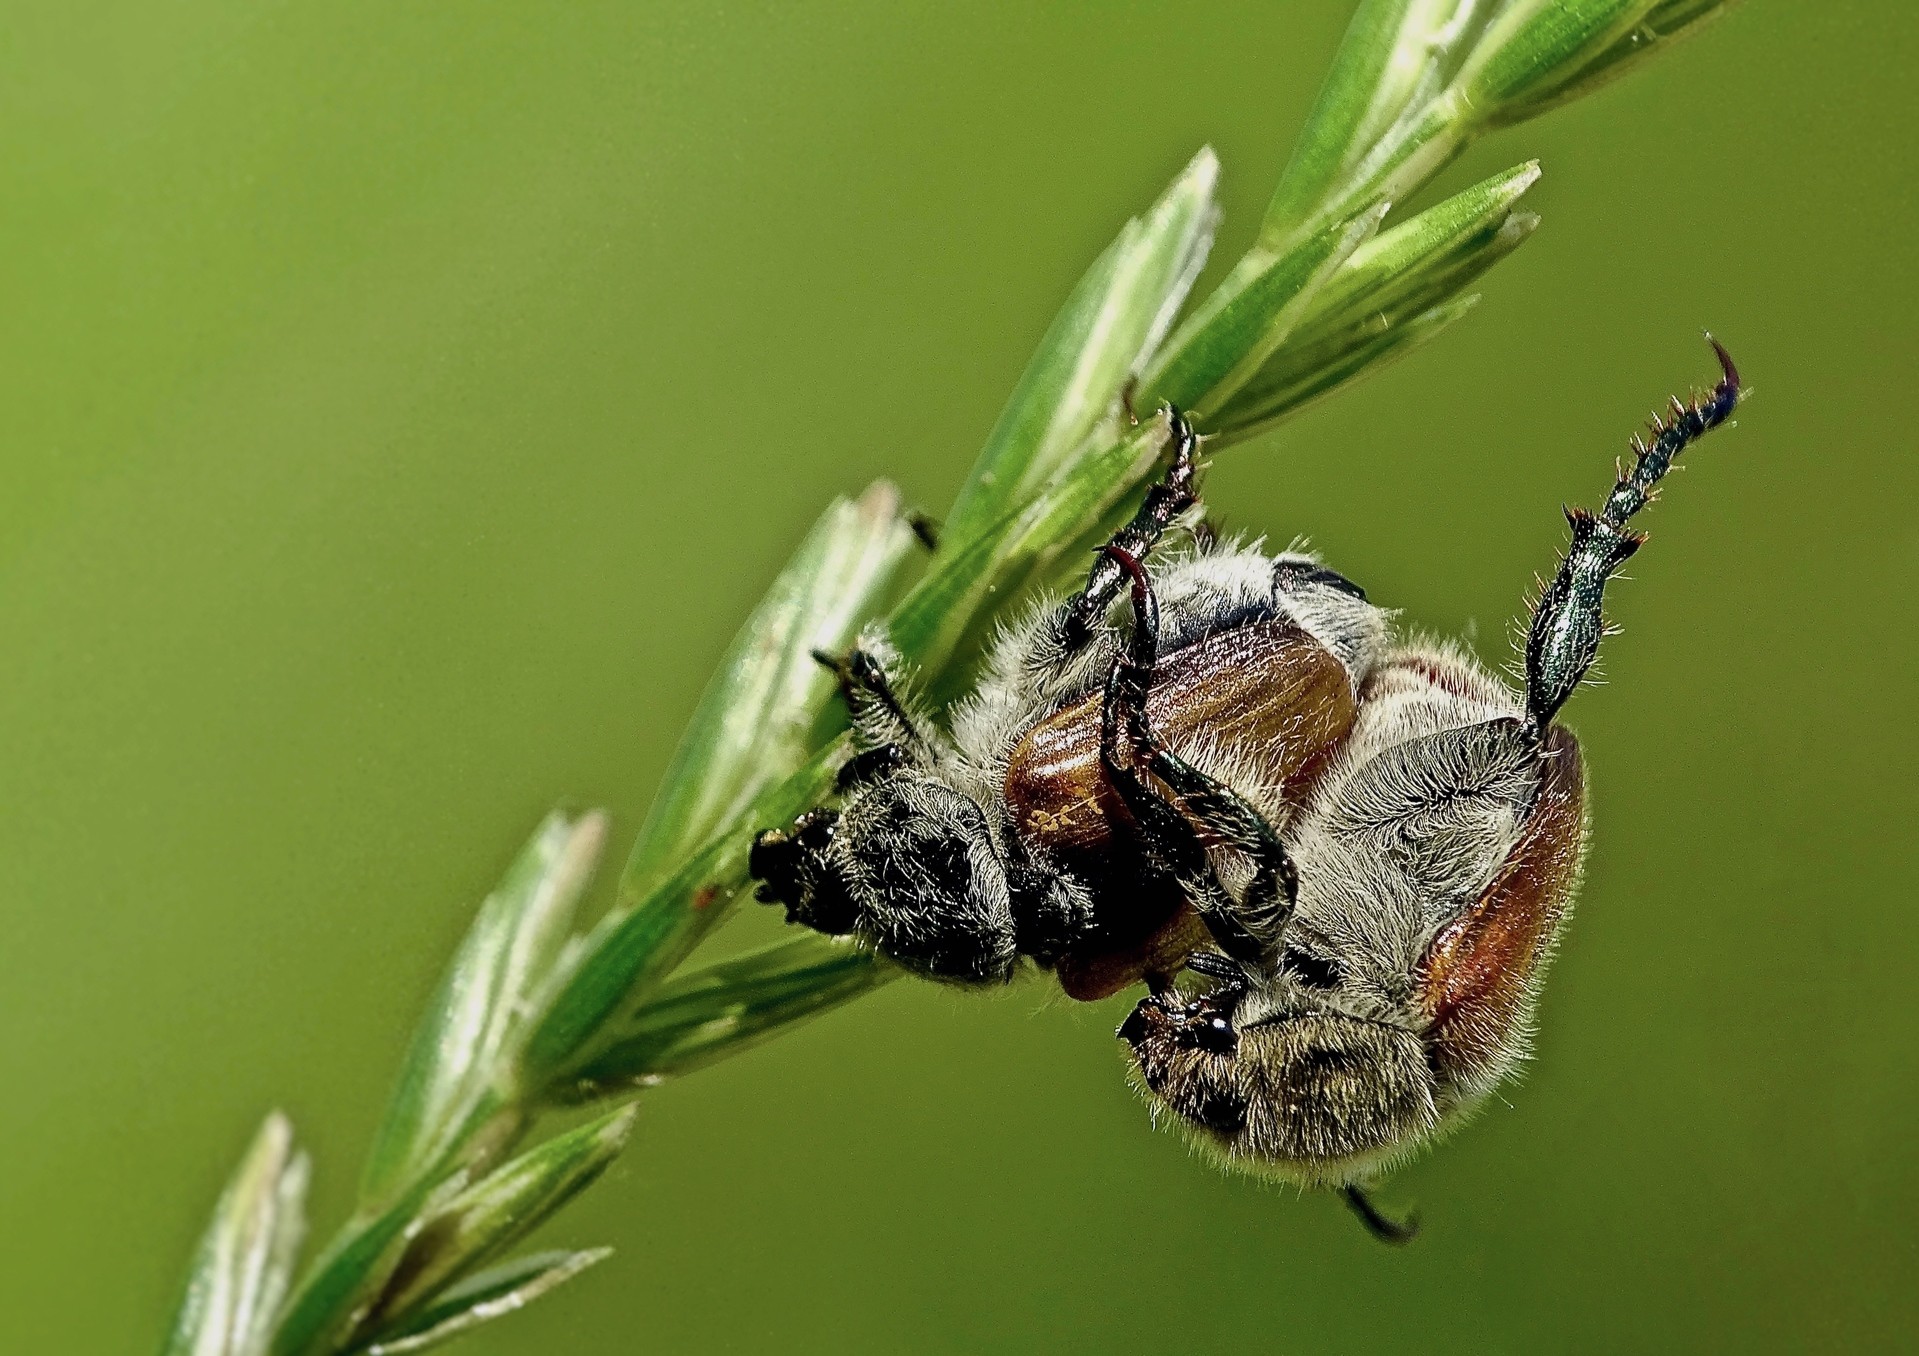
x=1533, y=54
x=1537, y=44
x=1663, y=26
x=1419, y=262
x=1382, y=63
x=1110, y=325
x=947, y=613
x=1232, y=333
x=494, y=1213
x=729, y=1007
x=1417, y=149
x=466, y=1046
x=352, y=1272
x=1283, y=393
x=754, y=724
x=630, y=951
x=245, y=1260
x=485, y=1296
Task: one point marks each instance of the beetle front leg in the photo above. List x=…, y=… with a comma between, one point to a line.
x=793, y=871
x=881, y=718
x=1176, y=829
x=1052, y=913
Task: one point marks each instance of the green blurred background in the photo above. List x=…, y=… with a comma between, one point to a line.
x=404, y=403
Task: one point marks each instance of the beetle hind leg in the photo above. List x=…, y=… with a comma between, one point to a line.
x=1567, y=623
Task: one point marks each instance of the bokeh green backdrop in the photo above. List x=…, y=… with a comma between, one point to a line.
x=402, y=404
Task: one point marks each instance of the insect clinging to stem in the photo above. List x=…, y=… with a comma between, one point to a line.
x=1361, y=849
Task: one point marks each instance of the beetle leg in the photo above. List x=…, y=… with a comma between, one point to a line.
x=880, y=718
x=1173, y=851
x=792, y=870
x=1175, y=828
x=869, y=765
x=1378, y=1223
x=1051, y=912
x=1172, y=495
x=1567, y=624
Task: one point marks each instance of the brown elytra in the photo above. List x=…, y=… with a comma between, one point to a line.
x=1266, y=693
x=1477, y=972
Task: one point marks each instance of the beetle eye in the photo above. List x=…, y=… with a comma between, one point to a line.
x=1312, y=971
x=1216, y=1037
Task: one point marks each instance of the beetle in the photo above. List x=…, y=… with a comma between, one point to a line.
x=1361, y=849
